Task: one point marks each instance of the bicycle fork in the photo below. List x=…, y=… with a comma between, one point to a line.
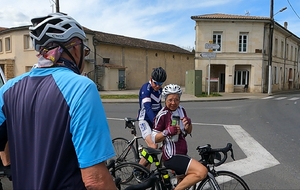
x=213, y=182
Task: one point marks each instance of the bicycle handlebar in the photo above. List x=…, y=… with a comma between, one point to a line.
x=209, y=155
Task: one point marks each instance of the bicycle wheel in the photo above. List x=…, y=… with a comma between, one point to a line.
x=226, y=180
x=127, y=173
x=124, y=151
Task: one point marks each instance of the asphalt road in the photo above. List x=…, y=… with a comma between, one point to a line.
x=273, y=124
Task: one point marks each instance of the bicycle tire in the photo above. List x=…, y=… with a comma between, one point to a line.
x=120, y=145
x=226, y=180
x=125, y=171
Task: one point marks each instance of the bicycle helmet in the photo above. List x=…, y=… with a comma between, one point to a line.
x=159, y=74
x=56, y=27
x=171, y=89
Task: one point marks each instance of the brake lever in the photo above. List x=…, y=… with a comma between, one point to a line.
x=232, y=156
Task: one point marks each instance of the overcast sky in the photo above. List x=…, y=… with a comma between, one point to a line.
x=167, y=21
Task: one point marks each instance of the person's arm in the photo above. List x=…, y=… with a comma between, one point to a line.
x=188, y=127
x=97, y=177
x=91, y=136
x=187, y=123
x=3, y=136
x=162, y=127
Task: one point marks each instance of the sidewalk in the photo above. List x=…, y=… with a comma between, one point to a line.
x=188, y=97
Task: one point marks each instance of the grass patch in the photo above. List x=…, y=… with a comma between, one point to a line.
x=213, y=94
x=120, y=96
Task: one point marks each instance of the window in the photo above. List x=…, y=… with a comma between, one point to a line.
x=106, y=60
x=282, y=50
x=27, y=42
x=276, y=47
x=275, y=74
x=296, y=53
x=243, y=39
x=1, y=45
x=241, y=77
x=287, y=51
x=217, y=39
x=291, y=56
x=7, y=44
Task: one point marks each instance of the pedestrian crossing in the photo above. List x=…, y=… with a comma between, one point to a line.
x=281, y=98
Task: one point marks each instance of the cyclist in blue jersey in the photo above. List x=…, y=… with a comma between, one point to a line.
x=150, y=104
x=53, y=117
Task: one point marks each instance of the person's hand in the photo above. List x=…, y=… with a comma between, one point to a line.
x=170, y=131
x=186, y=121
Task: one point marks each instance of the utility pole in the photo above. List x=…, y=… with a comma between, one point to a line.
x=57, y=5
x=270, y=46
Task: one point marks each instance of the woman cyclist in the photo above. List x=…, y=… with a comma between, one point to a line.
x=175, y=151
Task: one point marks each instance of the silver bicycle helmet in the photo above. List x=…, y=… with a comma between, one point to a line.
x=159, y=74
x=171, y=89
x=56, y=27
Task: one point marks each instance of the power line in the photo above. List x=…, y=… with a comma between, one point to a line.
x=293, y=8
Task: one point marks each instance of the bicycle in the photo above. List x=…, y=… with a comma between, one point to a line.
x=159, y=178
x=127, y=150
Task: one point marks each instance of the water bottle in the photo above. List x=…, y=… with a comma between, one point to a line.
x=167, y=180
x=140, y=148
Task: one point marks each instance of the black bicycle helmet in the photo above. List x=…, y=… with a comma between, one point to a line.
x=159, y=74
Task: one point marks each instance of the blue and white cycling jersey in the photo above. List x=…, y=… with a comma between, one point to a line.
x=150, y=103
x=56, y=125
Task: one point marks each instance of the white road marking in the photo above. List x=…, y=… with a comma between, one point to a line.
x=268, y=97
x=280, y=98
x=258, y=158
x=295, y=98
x=116, y=119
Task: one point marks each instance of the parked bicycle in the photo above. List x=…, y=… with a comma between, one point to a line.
x=127, y=150
x=159, y=178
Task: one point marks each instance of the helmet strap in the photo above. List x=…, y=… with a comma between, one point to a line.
x=81, y=57
x=71, y=56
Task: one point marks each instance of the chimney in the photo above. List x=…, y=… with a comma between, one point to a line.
x=285, y=25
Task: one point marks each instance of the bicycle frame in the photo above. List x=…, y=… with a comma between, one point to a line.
x=130, y=123
x=212, y=181
x=210, y=158
x=133, y=142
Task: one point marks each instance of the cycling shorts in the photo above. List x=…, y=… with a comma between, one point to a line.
x=180, y=169
x=145, y=128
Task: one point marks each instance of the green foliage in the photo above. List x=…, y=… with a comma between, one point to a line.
x=213, y=94
x=119, y=96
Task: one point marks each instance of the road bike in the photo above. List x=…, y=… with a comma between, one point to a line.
x=127, y=150
x=159, y=178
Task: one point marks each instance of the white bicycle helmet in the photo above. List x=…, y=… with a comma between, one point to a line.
x=56, y=27
x=171, y=89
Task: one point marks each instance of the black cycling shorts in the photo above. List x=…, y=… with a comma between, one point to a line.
x=178, y=163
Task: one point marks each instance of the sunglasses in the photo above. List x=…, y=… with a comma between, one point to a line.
x=157, y=83
x=86, y=49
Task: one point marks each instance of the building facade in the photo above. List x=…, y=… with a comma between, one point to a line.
x=115, y=62
x=241, y=61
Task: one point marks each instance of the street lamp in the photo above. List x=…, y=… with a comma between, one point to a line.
x=271, y=44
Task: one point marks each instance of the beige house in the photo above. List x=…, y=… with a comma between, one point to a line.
x=115, y=62
x=241, y=61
